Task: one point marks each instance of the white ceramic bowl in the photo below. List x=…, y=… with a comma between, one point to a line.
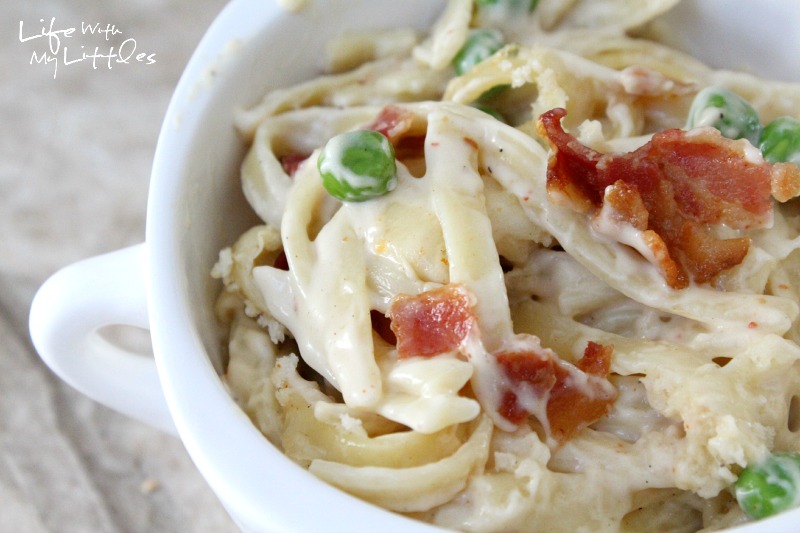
x=195, y=208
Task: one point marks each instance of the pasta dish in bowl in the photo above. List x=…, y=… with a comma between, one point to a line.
x=533, y=270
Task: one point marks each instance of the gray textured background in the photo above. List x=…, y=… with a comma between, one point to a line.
x=74, y=172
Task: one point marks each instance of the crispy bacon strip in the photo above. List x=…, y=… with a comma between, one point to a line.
x=533, y=370
x=433, y=322
x=573, y=403
x=575, y=395
x=672, y=189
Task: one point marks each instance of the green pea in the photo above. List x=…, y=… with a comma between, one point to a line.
x=513, y=4
x=769, y=487
x=494, y=92
x=358, y=166
x=481, y=43
x=780, y=140
x=726, y=111
x=486, y=101
x=489, y=110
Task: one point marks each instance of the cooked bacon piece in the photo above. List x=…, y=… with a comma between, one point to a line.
x=622, y=204
x=581, y=394
x=291, y=162
x=596, y=359
x=510, y=408
x=672, y=189
x=576, y=395
x=432, y=322
x=534, y=370
x=393, y=122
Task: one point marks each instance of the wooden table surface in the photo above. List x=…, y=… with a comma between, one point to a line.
x=77, y=146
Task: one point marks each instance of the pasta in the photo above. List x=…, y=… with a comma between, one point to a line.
x=496, y=345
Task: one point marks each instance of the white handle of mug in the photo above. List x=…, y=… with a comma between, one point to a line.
x=66, y=315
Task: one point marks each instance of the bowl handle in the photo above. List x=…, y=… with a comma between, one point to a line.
x=66, y=318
